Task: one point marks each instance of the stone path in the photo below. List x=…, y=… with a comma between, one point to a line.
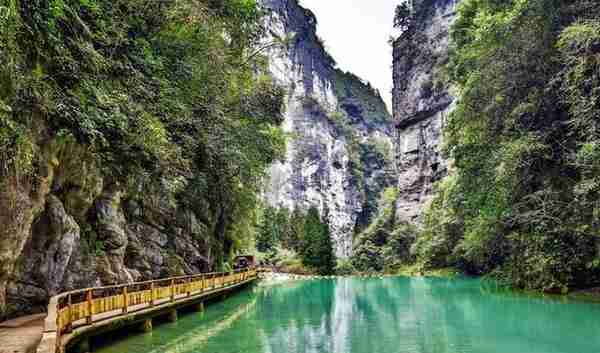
x=22, y=334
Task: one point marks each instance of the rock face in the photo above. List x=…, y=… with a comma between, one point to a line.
x=71, y=228
x=341, y=134
x=421, y=103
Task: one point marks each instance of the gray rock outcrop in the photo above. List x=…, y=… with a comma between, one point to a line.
x=71, y=228
x=340, y=153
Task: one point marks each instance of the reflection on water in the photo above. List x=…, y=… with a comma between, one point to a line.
x=404, y=315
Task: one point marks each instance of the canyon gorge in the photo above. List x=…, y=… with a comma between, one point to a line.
x=73, y=226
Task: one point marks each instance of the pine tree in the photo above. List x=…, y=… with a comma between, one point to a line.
x=267, y=235
x=317, y=249
x=283, y=229
x=296, y=230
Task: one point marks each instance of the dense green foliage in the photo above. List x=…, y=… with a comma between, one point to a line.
x=317, y=248
x=384, y=245
x=523, y=203
x=284, y=237
x=163, y=94
x=279, y=228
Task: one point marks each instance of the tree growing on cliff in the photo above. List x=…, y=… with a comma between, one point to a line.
x=403, y=16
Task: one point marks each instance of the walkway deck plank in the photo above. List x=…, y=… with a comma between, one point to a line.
x=22, y=334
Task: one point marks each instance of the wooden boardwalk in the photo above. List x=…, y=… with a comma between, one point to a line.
x=21, y=335
x=76, y=315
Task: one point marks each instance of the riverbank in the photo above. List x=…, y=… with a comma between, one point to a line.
x=591, y=294
x=404, y=272
x=270, y=278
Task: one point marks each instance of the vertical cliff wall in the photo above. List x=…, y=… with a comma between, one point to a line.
x=340, y=150
x=421, y=103
x=79, y=229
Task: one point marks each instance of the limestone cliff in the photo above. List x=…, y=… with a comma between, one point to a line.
x=340, y=151
x=72, y=228
x=421, y=103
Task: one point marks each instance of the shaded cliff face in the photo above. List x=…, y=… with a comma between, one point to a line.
x=73, y=228
x=421, y=102
x=340, y=150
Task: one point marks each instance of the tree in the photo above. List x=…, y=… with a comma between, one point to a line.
x=268, y=233
x=403, y=16
x=282, y=222
x=296, y=230
x=384, y=244
x=317, y=247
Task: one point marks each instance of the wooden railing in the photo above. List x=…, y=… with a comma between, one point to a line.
x=71, y=310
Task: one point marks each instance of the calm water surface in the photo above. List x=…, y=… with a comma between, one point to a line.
x=403, y=315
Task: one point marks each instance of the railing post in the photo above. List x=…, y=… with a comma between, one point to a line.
x=172, y=290
x=88, y=297
x=125, y=300
x=58, y=326
x=69, y=326
x=64, y=308
x=151, y=293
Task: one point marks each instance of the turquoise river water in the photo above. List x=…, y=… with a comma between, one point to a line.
x=390, y=315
